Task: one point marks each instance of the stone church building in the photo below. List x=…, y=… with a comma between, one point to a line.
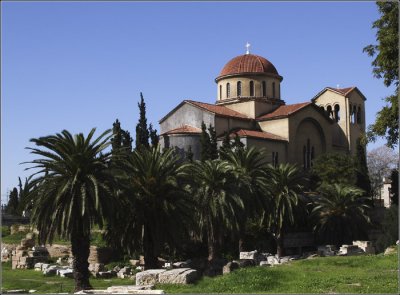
x=249, y=104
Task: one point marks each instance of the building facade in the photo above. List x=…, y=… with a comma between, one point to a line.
x=249, y=105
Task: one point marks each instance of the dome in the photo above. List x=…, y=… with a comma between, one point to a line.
x=248, y=63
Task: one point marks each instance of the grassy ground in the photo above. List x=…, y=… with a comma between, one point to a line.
x=356, y=274
x=30, y=279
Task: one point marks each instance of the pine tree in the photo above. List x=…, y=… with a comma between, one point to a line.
x=362, y=177
x=205, y=143
x=142, y=133
x=153, y=136
x=213, y=149
x=13, y=202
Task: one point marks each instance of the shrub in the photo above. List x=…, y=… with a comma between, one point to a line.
x=390, y=228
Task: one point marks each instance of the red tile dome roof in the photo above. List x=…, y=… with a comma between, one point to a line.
x=248, y=63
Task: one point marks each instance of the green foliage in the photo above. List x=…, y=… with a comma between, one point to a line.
x=23, y=192
x=5, y=231
x=343, y=275
x=390, y=228
x=153, y=136
x=217, y=201
x=386, y=65
x=340, y=214
x=237, y=144
x=335, y=168
x=156, y=205
x=362, y=175
x=394, y=190
x=142, y=133
x=13, y=202
x=189, y=154
x=205, y=143
x=226, y=144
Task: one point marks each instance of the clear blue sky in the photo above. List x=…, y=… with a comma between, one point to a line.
x=78, y=65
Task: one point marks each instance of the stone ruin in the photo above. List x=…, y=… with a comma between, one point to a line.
x=27, y=254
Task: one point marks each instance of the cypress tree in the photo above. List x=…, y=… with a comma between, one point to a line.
x=189, y=154
x=237, y=144
x=213, y=150
x=153, y=135
x=127, y=140
x=142, y=133
x=13, y=202
x=205, y=143
x=116, y=140
x=362, y=177
x=394, y=190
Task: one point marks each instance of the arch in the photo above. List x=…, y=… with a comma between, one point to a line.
x=228, y=90
x=359, y=121
x=354, y=114
x=329, y=111
x=337, y=113
x=264, y=89
x=251, y=88
x=239, y=88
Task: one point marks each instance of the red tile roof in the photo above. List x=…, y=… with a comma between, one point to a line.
x=218, y=110
x=248, y=63
x=256, y=134
x=284, y=111
x=184, y=129
x=343, y=91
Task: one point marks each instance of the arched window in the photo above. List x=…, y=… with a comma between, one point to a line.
x=354, y=115
x=239, y=88
x=251, y=88
x=264, y=89
x=337, y=113
x=228, y=90
x=273, y=89
x=351, y=113
x=308, y=155
x=359, y=121
x=329, y=111
x=220, y=91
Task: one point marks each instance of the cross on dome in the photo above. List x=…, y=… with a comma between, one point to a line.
x=247, y=48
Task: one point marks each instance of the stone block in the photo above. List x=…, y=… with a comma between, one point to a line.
x=248, y=255
x=66, y=273
x=134, y=262
x=178, y=276
x=229, y=267
x=148, y=277
x=264, y=263
x=38, y=266
x=366, y=246
x=326, y=250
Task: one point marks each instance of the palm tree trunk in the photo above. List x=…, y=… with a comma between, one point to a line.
x=212, y=247
x=80, y=245
x=150, y=258
x=279, y=244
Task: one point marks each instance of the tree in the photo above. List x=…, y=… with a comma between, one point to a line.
x=142, y=133
x=153, y=135
x=394, y=189
x=380, y=162
x=390, y=229
x=386, y=65
x=23, y=193
x=226, y=144
x=13, y=202
x=157, y=209
x=335, y=168
x=205, y=143
x=217, y=202
x=213, y=149
x=340, y=214
x=237, y=144
x=189, y=154
x=250, y=168
x=72, y=192
x=121, y=141
x=362, y=177
x=285, y=185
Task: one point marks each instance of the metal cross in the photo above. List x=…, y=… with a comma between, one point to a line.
x=247, y=48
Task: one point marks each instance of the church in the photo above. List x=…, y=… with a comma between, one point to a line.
x=249, y=105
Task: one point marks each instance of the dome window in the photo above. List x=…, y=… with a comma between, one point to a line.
x=220, y=92
x=273, y=89
x=239, y=88
x=264, y=89
x=251, y=88
x=228, y=90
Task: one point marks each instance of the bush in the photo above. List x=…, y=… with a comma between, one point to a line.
x=5, y=231
x=390, y=228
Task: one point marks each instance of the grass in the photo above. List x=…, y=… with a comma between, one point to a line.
x=28, y=279
x=356, y=274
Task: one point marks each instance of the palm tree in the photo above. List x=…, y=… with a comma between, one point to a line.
x=217, y=202
x=158, y=208
x=71, y=193
x=250, y=168
x=340, y=214
x=284, y=186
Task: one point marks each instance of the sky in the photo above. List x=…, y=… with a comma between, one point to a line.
x=79, y=65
